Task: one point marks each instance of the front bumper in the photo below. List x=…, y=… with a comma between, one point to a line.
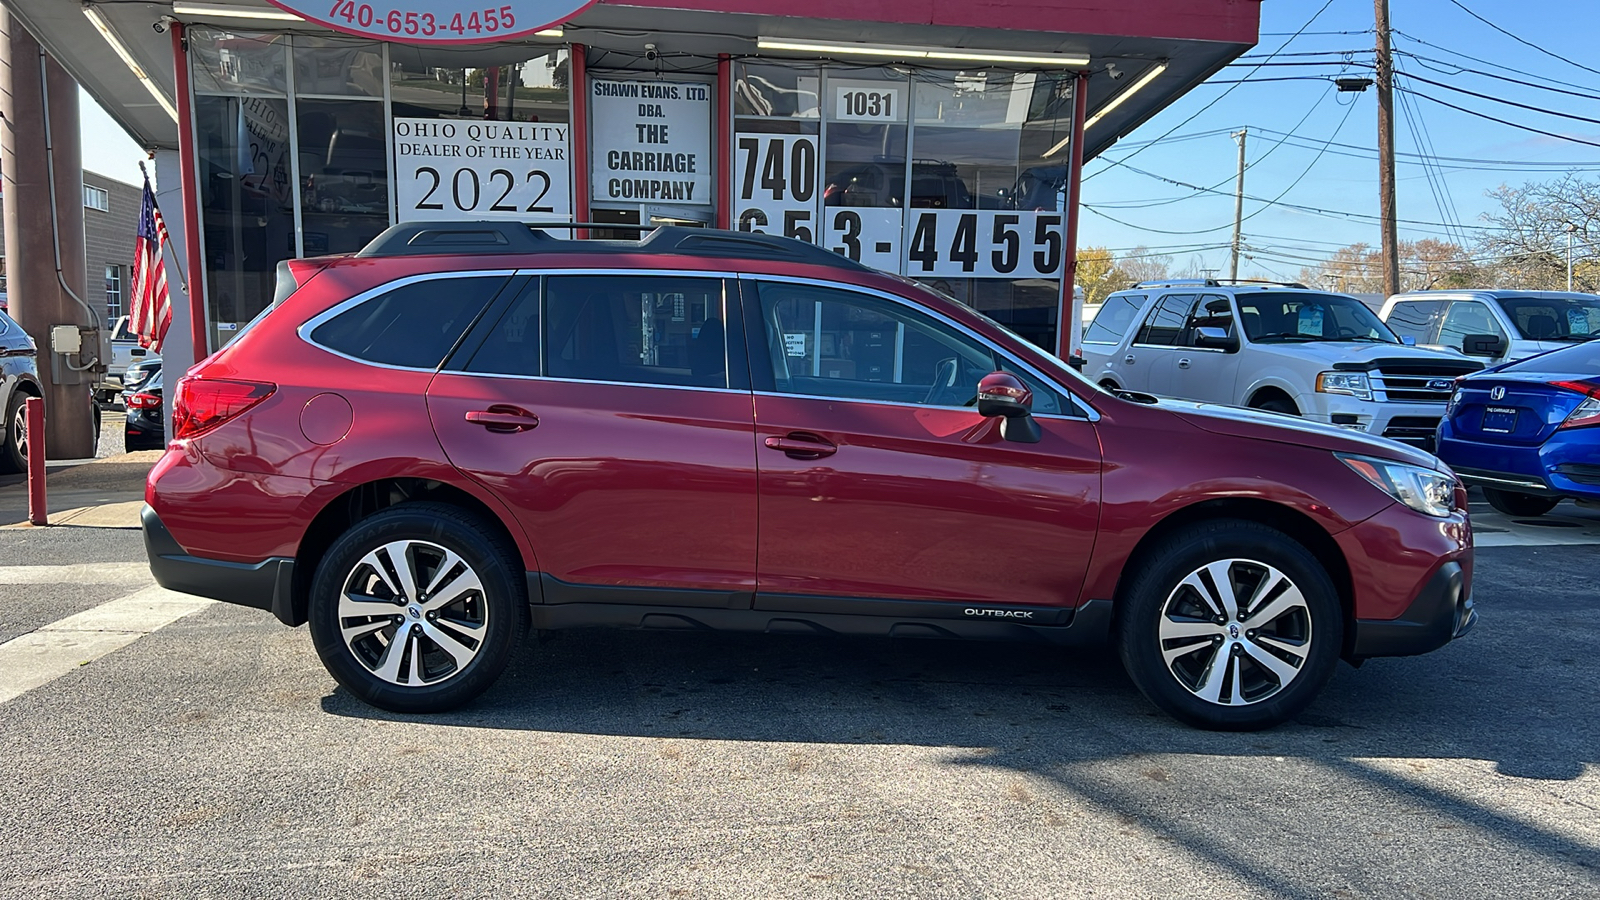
x=1408, y=423
x=264, y=585
x=1441, y=612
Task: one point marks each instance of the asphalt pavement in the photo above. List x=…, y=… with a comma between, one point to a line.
x=208, y=754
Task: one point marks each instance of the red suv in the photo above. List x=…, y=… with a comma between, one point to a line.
x=468, y=429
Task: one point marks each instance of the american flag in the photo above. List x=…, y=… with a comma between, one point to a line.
x=150, y=311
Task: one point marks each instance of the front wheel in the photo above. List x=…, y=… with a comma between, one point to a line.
x=418, y=608
x=14, y=438
x=1516, y=503
x=1230, y=625
x=1279, y=405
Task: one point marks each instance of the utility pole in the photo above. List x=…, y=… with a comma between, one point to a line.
x=1385, y=79
x=1569, y=229
x=1238, y=206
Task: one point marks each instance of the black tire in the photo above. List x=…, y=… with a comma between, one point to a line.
x=1156, y=598
x=1516, y=503
x=1110, y=385
x=501, y=606
x=1278, y=405
x=12, y=459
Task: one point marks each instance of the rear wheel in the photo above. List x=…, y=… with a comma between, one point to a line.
x=1516, y=503
x=418, y=608
x=1230, y=625
x=14, y=441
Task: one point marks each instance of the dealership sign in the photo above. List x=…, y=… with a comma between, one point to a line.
x=436, y=21
x=464, y=169
x=651, y=141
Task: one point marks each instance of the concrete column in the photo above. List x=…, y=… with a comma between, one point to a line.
x=38, y=300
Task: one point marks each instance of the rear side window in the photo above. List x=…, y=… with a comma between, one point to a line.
x=1114, y=318
x=1414, y=319
x=636, y=329
x=412, y=326
x=1166, y=321
x=512, y=348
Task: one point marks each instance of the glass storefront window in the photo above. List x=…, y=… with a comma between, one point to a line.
x=512, y=83
x=777, y=92
x=246, y=203
x=238, y=62
x=337, y=67
x=344, y=174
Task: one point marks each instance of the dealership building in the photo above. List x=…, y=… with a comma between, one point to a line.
x=942, y=141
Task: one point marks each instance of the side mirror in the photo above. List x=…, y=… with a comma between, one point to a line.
x=1003, y=395
x=1214, y=337
x=1408, y=340
x=1490, y=345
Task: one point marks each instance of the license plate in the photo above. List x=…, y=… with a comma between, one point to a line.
x=1499, y=420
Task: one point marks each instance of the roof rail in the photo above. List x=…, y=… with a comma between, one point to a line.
x=1216, y=282
x=500, y=238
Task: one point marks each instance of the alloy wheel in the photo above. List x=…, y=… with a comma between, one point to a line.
x=1235, y=632
x=19, y=431
x=413, y=613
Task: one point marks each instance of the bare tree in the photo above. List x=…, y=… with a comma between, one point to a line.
x=1529, y=240
x=1139, y=264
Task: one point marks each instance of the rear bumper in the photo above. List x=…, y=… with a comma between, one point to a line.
x=264, y=585
x=1563, y=465
x=1441, y=612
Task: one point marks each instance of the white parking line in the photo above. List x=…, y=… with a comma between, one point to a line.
x=42, y=656
x=130, y=573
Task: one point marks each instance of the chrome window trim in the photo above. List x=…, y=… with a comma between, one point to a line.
x=631, y=384
x=1089, y=413
x=311, y=324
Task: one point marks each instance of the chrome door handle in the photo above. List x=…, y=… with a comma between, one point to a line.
x=1128, y=359
x=1183, y=363
x=503, y=418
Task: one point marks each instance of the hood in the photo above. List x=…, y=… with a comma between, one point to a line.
x=1354, y=354
x=1259, y=425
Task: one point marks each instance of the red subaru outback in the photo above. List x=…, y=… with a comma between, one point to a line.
x=468, y=429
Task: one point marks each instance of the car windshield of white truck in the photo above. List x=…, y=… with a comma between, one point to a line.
x=1554, y=318
x=1272, y=317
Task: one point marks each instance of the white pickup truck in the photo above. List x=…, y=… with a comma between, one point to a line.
x=125, y=350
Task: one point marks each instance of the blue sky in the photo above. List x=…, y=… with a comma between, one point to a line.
x=1340, y=181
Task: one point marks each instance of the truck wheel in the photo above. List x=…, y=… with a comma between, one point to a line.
x=1230, y=625
x=1277, y=405
x=417, y=609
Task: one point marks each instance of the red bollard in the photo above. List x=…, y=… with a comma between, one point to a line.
x=33, y=420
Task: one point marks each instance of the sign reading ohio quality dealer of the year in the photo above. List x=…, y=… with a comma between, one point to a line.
x=651, y=142
x=436, y=21
x=454, y=169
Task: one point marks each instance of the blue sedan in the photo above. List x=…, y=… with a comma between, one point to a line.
x=1528, y=432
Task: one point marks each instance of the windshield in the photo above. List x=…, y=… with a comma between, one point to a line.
x=1554, y=318
x=122, y=333
x=1272, y=317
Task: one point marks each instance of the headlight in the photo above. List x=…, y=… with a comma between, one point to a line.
x=1424, y=490
x=1352, y=383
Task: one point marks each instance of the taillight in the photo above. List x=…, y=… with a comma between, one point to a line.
x=1588, y=412
x=144, y=401
x=201, y=404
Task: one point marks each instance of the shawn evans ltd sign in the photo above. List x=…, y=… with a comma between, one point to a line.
x=436, y=21
x=455, y=168
x=651, y=142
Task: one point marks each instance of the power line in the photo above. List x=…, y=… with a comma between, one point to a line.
x=1471, y=112
x=1274, y=201
x=1457, y=69
x=1548, y=112
x=1218, y=98
x=1553, y=55
x=1491, y=63
x=1437, y=185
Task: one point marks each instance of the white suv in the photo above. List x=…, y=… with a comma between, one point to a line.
x=1501, y=326
x=1282, y=348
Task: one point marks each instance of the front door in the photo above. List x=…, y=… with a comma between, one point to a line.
x=878, y=478
x=609, y=419
x=1201, y=369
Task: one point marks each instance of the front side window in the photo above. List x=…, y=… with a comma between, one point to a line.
x=1562, y=319
x=1114, y=319
x=1213, y=311
x=1415, y=319
x=1304, y=317
x=1467, y=317
x=1165, y=323
x=636, y=329
x=826, y=342
x=411, y=326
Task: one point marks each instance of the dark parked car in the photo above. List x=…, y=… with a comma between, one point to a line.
x=1528, y=432
x=145, y=429
x=139, y=372
x=19, y=380
x=469, y=429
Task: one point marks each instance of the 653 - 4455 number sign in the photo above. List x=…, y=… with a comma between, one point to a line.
x=435, y=21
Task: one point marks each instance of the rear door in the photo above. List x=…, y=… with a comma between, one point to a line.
x=604, y=409
x=880, y=481
x=1151, y=362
